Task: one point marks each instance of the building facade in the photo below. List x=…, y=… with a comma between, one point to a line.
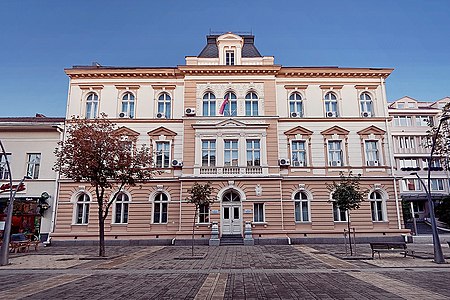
x=29, y=144
x=268, y=137
x=410, y=123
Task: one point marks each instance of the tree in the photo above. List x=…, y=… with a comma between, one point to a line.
x=347, y=195
x=199, y=195
x=94, y=152
x=441, y=133
x=443, y=211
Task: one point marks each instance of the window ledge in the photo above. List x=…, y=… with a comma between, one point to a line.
x=260, y=223
x=202, y=224
x=341, y=222
x=119, y=224
x=160, y=223
x=76, y=224
x=302, y=222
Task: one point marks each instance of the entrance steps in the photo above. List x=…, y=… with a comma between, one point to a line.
x=231, y=240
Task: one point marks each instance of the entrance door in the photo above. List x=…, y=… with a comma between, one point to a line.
x=231, y=214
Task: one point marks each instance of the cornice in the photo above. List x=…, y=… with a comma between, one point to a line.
x=229, y=70
x=100, y=73
x=334, y=72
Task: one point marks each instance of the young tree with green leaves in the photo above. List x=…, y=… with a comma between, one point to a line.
x=200, y=195
x=347, y=196
x=94, y=152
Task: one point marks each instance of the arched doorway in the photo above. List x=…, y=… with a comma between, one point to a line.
x=231, y=213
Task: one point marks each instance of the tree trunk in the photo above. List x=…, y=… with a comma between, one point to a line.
x=101, y=231
x=349, y=234
x=193, y=229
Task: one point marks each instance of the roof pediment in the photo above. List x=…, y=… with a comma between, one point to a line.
x=371, y=130
x=161, y=131
x=231, y=123
x=298, y=130
x=125, y=131
x=335, y=130
x=229, y=37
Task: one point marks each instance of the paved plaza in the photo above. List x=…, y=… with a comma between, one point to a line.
x=226, y=272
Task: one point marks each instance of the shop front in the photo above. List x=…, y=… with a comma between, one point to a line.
x=26, y=215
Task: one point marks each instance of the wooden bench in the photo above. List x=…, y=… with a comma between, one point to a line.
x=388, y=247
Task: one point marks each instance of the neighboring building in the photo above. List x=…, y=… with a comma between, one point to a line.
x=268, y=137
x=410, y=123
x=29, y=143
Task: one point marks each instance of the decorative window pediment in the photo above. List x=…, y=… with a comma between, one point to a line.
x=371, y=130
x=125, y=131
x=161, y=131
x=298, y=130
x=335, y=130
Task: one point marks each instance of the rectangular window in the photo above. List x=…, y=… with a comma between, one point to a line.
x=407, y=163
x=208, y=153
x=33, y=164
x=406, y=142
x=402, y=121
x=229, y=58
x=411, y=185
x=437, y=184
x=298, y=153
x=338, y=214
x=253, y=153
x=335, y=154
x=230, y=153
x=203, y=214
x=301, y=211
x=258, y=212
x=162, y=154
x=435, y=163
x=377, y=211
x=251, y=108
x=4, y=174
x=418, y=206
x=424, y=121
x=372, y=156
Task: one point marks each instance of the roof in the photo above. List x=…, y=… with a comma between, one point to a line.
x=38, y=119
x=211, y=50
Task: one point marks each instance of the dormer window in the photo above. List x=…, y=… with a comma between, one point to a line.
x=229, y=57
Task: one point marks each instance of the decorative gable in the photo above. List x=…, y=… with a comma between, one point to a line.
x=371, y=130
x=298, y=131
x=230, y=123
x=335, y=130
x=125, y=131
x=161, y=131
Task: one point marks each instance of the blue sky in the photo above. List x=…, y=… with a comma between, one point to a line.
x=41, y=38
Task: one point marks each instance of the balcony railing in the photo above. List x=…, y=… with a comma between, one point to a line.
x=233, y=171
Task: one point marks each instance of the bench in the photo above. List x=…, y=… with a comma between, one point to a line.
x=388, y=247
x=20, y=243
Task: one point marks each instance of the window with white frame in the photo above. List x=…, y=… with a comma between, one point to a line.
x=372, y=156
x=411, y=185
x=335, y=153
x=298, y=153
x=209, y=104
x=229, y=105
x=365, y=101
x=406, y=142
x=165, y=105
x=253, y=153
x=82, y=209
x=301, y=207
x=128, y=105
x=4, y=174
x=402, y=121
x=230, y=153
x=295, y=105
x=407, y=163
x=435, y=163
x=33, y=165
x=91, y=106
x=258, y=212
x=162, y=154
x=121, y=208
x=160, y=204
x=229, y=57
x=418, y=206
x=203, y=213
x=331, y=105
x=424, y=121
x=338, y=214
x=251, y=104
x=437, y=184
x=376, y=205
x=208, y=153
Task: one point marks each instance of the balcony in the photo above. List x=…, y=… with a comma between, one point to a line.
x=234, y=171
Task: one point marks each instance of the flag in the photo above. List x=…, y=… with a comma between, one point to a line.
x=224, y=103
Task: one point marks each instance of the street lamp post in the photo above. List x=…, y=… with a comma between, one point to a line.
x=4, y=251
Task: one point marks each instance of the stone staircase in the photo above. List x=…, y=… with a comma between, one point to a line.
x=231, y=240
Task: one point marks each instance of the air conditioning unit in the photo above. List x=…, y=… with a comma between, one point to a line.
x=372, y=163
x=284, y=162
x=177, y=163
x=335, y=163
x=366, y=114
x=295, y=115
x=160, y=116
x=331, y=114
x=298, y=163
x=189, y=111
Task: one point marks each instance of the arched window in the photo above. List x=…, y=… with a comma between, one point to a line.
x=366, y=104
x=251, y=104
x=295, y=105
x=301, y=207
x=331, y=105
x=121, y=208
x=160, y=208
x=229, y=105
x=231, y=196
x=128, y=105
x=164, y=105
x=376, y=205
x=82, y=209
x=92, y=106
x=209, y=104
